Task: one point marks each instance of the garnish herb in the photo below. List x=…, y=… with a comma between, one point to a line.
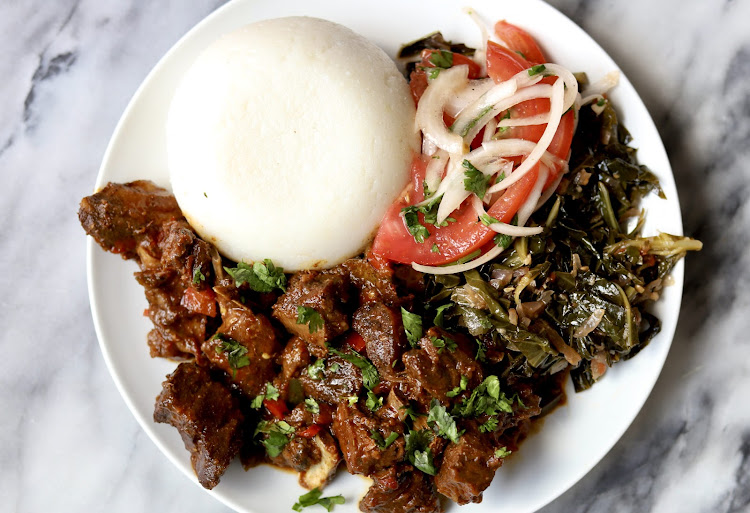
x=460, y=388
x=198, y=276
x=435, y=248
x=412, y=326
x=314, y=497
x=261, y=276
x=418, y=452
x=440, y=343
x=439, y=319
x=373, y=401
x=445, y=423
x=429, y=210
x=474, y=121
x=535, y=70
x=442, y=59
x=474, y=180
x=370, y=376
x=352, y=400
x=317, y=369
x=487, y=219
x=307, y=315
x=235, y=352
x=490, y=425
x=272, y=393
x=383, y=444
x=502, y=240
x=312, y=405
x=486, y=399
x=502, y=452
x=278, y=435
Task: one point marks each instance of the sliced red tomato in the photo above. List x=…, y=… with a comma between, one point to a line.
x=310, y=431
x=200, y=301
x=520, y=42
x=277, y=407
x=460, y=238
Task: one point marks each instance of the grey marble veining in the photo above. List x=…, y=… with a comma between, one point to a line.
x=67, y=441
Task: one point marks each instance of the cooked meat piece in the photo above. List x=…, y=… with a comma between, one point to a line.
x=404, y=490
x=374, y=284
x=327, y=293
x=335, y=382
x=121, y=217
x=143, y=221
x=383, y=331
x=175, y=323
x=468, y=467
x=438, y=370
x=294, y=358
x=316, y=458
x=207, y=416
x=354, y=426
x=253, y=333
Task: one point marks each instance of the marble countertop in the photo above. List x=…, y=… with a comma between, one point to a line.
x=68, y=443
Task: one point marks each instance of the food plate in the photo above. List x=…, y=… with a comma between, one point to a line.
x=572, y=440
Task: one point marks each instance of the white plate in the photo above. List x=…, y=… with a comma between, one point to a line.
x=572, y=440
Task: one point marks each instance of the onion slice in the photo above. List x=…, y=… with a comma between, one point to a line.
x=430, y=109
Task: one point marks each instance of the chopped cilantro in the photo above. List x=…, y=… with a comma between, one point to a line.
x=261, y=276
x=235, y=352
x=312, y=405
x=435, y=248
x=370, y=376
x=307, y=315
x=474, y=180
x=460, y=388
x=503, y=241
x=316, y=370
x=486, y=399
x=601, y=102
x=502, y=452
x=198, y=276
x=416, y=229
x=412, y=326
x=352, y=400
x=411, y=412
x=272, y=393
x=314, y=497
x=535, y=70
x=277, y=436
x=487, y=219
x=373, y=401
x=444, y=421
x=471, y=124
x=490, y=425
x=440, y=343
x=257, y=401
x=383, y=444
x=418, y=452
x=442, y=59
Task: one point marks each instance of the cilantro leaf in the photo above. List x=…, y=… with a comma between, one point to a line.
x=486, y=399
x=471, y=124
x=198, y=276
x=383, y=444
x=460, y=388
x=535, y=70
x=235, y=352
x=502, y=452
x=490, y=425
x=474, y=180
x=316, y=370
x=370, y=376
x=435, y=248
x=412, y=326
x=373, y=401
x=257, y=401
x=411, y=218
x=487, y=219
x=307, y=315
x=442, y=59
x=440, y=343
x=445, y=423
x=261, y=276
x=313, y=497
x=277, y=436
x=312, y=405
x=418, y=452
x=503, y=241
x=272, y=393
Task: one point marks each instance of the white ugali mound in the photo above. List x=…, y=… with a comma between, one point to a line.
x=288, y=139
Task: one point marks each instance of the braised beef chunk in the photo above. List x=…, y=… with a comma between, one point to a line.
x=356, y=428
x=143, y=221
x=244, y=347
x=401, y=490
x=468, y=467
x=294, y=358
x=325, y=292
x=333, y=381
x=374, y=284
x=383, y=331
x=207, y=416
x=121, y=217
x=439, y=363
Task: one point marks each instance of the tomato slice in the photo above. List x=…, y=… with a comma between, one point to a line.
x=462, y=237
x=519, y=41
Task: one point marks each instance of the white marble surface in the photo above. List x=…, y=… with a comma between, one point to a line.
x=68, y=442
